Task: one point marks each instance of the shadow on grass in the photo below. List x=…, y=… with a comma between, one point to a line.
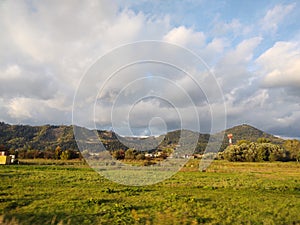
x=44, y=219
x=106, y=214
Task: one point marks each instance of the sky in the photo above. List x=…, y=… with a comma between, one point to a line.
x=250, y=50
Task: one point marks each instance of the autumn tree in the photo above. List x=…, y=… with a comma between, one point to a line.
x=141, y=156
x=255, y=152
x=239, y=142
x=65, y=155
x=293, y=147
x=58, y=152
x=263, y=140
x=119, y=154
x=130, y=154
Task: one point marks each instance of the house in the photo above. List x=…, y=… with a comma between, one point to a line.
x=4, y=158
x=149, y=155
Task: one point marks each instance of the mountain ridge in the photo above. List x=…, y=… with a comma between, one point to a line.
x=50, y=136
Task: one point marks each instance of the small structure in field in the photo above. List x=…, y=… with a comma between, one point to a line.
x=6, y=159
x=230, y=138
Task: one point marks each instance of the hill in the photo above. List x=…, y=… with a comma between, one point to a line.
x=250, y=133
x=37, y=137
x=50, y=136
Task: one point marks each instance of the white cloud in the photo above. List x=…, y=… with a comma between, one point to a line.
x=16, y=81
x=185, y=37
x=20, y=108
x=237, y=107
x=34, y=111
x=280, y=65
x=46, y=46
x=49, y=45
x=232, y=69
x=275, y=16
x=216, y=46
x=11, y=72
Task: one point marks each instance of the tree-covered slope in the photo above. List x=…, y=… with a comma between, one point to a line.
x=49, y=137
x=250, y=133
x=36, y=137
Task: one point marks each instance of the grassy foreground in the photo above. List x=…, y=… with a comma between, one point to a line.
x=43, y=192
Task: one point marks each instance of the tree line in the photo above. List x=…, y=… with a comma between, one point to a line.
x=48, y=153
x=262, y=150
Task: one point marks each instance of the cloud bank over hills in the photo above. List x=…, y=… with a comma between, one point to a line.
x=252, y=48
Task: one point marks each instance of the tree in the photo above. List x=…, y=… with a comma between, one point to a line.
x=74, y=154
x=255, y=152
x=65, y=155
x=263, y=152
x=277, y=153
x=240, y=142
x=49, y=153
x=251, y=153
x=263, y=140
x=233, y=153
x=140, y=156
x=58, y=152
x=2, y=148
x=119, y=154
x=293, y=147
x=129, y=154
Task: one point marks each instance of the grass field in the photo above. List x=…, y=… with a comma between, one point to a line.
x=44, y=192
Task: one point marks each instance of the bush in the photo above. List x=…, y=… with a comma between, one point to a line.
x=263, y=152
x=140, y=156
x=119, y=154
x=240, y=142
x=255, y=152
x=129, y=154
x=251, y=153
x=233, y=153
x=65, y=155
x=263, y=140
x=293, y=147
x=278, y=154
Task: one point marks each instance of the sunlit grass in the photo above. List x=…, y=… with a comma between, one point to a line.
x=228, y=193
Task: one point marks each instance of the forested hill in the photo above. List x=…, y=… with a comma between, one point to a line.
x=37, y=137
x=50, y=136
x=250, y=133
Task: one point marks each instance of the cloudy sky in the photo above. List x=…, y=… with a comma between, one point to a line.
x=251, y=49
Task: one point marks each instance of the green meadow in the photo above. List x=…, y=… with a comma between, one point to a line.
x=69, y=192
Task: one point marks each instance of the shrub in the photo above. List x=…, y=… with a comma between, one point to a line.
x=255, y=152
x=293, y=147
x=233, y=153
x=263, y=140
x=119, y=154
x=140, y=156
x=65, y=155
x=129, y=154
